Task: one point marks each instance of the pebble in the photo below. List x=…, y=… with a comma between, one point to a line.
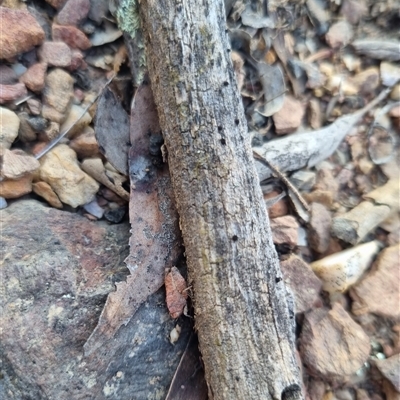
x=12, y=189
x=108, y=35
x=115, y=216
x=12, y=92
x=73, y=12
x=379, y=291
x=20, y=32
x=77, y=61
x=94, y=209
x=327, y=182
x=339, y=34
x=285, y=231
x=7, y=75
x=60, y=169
x=98, y=10
x=390, y=369
x=33, y=78
x=56, y=3
x=3, y=203
x=289, y=117
x=35, y=106
x=52, y=131
x=56, y=54
x=367, y=81
x=354, y=10
x=39, y=124
x=333, y=346
x=320, y=228
x=45, y=191
x=85, y=145
x=16, y=164
x=57, y=95
x=304, y=284
x=390, y=73
x=75, y=113
x=72, y=36
x=26, y=133
x=278, y=209
x=9, y=126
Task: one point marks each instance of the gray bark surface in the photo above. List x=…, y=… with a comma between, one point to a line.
x=241, y=310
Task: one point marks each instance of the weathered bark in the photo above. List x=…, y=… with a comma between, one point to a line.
x=241, y=309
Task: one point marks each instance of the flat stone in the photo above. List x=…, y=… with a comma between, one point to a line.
x=379, y=291
x=60, y=169
x=9, y=126
x=58, y=271
x=304, y=284
x=72, y=36
x=12, y=92
x=57, y=95
x=85, y=145
x=339, y=34
x=333, y=346
x=16, y=164
x=390, y=369
x=289, y=117
x=12, y=189
x=320, y=228
x=284, y=231
x=33, y=78
x=73, y=12
x=56, y=54
x=20, y=32
x=45, y=191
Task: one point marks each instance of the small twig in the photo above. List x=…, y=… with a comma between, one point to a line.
x=283, y=178
x=63, y=134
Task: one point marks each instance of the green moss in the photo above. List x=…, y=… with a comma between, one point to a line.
x=128, y=17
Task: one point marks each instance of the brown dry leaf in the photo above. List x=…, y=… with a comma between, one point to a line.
x=155, y=240
x=175, y=287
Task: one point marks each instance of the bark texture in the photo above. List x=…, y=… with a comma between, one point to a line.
x=242, y=316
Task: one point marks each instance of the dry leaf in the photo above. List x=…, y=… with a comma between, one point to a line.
x=155, y=236
x=175, y=287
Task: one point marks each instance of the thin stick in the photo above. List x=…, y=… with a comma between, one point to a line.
x=57, y=139
x=283, y=178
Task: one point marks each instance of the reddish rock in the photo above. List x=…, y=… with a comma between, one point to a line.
x=20, y=32
x=289, y=117
x=379, y=291
x=339, y=34
x=333, y=346
x=285, y=231
x=85, y=145
x=7, y=75
x=77, y=61
x=56, y=3
x=278, y=209
x=72, y=36
x=304, y=284
x=12, y=92
x=16, y=164
x=390, y=369
x=73, y=12
x=320, y=228
x=33, y=78
x=56, y=54
x=12, y=189
x=44, y=190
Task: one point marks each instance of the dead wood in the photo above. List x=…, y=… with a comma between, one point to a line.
x=241, y=308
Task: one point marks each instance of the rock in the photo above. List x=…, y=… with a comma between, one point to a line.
x=395, y=93
x=353, y=10
x=33, y=78
x=341, y=270
x=320, y=228
x=52, y=131
x=26, y=133
x=20, y=32
x=333, y=346
x=60, y=169
x=289, y=117
x=108, y=35
x=304, y=284
x=85, y=145
x=284, y=231
x=39, y=124
x=73, y=12
x=9, y=126
x=303, y=180
x=367, y=81
x=16, y=164
x=72, y=36
x=315, y=389
x=56, y=3
x=56, y=280
x=44, y=190
x=278, y=209
x=75, y=113
x=56, y=54
x=77, y=61
x=390, y=369
x=57, y=95
x=12, y=92
x=94, y=209
x=3, y=203
x=379, y=291
x=327, y=182
x=12, y=189
x=339, y=34
x=98, y=10
x=35, y=106
x=116, y=215
x=7, y=75
x=390, y=73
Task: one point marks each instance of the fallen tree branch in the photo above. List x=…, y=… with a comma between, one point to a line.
x=241, y=308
